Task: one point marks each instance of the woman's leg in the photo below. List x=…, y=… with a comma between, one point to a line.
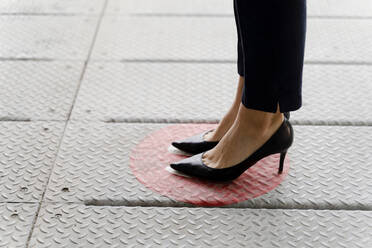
x=229, y=118
x=273, y=36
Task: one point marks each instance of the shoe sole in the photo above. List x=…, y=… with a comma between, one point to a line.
x=174, y=172
x=177, y=151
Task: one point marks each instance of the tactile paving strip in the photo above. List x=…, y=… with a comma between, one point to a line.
x=330, y=168
x=48, y=37
x=328, y=8
x=215, y=38
x=37, y=90
x=183, y=92
x=15, y=223
x=27, y=153
x=51, y=6
x=80, y=226
x=150, y=158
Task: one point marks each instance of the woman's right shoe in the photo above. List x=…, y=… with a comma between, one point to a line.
x=196, y=144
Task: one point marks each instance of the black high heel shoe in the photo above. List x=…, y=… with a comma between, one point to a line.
x=279, y=142
x=196, y=144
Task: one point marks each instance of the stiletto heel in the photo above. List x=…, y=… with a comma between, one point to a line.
x=287, y=115
x=281, y=162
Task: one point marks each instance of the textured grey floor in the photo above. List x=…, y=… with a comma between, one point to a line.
x=93, y=163
x=168, y=38
x=16, y=222
x=38, y=7
x=82, y=82
x=27, y=154
x=315, y=8
x=60, y=37
x=197, y=227
x=160, y=92
x=38, y=90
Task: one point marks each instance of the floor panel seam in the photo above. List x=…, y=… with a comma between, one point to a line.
x=46, y=185
x=170, y=60
x=165, y=14
x=88, y=58
x=84, y=121
x=205, y=207
x=64, y=131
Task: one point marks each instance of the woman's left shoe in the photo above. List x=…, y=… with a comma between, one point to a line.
x=196, y=144
x=279, y=142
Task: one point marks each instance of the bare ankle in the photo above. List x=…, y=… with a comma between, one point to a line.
x=258, y=123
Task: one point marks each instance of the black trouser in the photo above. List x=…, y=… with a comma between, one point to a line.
x=271, y=42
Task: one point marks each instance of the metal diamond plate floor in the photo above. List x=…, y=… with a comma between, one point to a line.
x=80, y=226
x=83, y=82
x=167, y=38
x=192, y=7
x=167, y=92
x=157, y=92
x=57, y=37
x=37, y=90
x=329, y=168
x=51, y=6
x=27, y=154
x=339, y=8
x=325, y=8
x=16, y=221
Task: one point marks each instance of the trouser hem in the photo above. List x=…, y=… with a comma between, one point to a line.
x=288, y=102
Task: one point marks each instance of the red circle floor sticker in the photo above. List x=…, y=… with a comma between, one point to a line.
x=150, y=160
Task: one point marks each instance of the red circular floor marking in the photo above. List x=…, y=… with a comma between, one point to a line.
x=150, y=158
